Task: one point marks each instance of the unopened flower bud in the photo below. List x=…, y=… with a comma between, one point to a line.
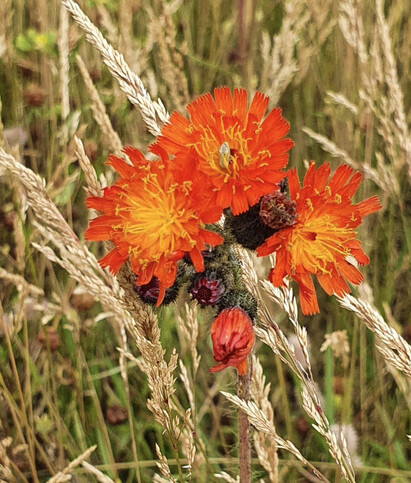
x=233, y=338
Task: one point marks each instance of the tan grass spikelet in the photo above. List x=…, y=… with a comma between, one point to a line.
x=63, y=48
x=153, y=112
x=279, y=62
x=395, y=95
x=65, y=474
x=93, y=186
x=163, y=33
x=162, y=465
x=383, y=180
x=110, y=137
x=5, y=462
x=392, y=346
x=189, y=328
x=378, y=74
x=226, y=477
x=20, y=283
x=101, y=477
x=340, y=99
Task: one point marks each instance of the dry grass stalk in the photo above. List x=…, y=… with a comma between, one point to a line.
x=20, y=242
x=5, y=462
x=265, y=445
x=93, y=186
x=395, y=95
x=259, y=420
x=226, y=477
x=340, y=99
x=65, y=475
x=340, y=455
x=99, y=112
x=271, y=334
x=101, y=477
x=163, y=32
x=395, y=350
x=280, y=64
x=20, y=283
x=189, y=327
x=153, y=112
x=160, y=374
x=379, y=75
x=1, y=126
x=36, y=195
x=63, y=46
x=125, y=23
x=187, y=385
x=162, y=465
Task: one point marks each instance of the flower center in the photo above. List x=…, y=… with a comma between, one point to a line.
x=319, y=241
x=155, y=219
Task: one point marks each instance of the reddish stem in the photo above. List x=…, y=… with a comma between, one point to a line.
x=244, y=446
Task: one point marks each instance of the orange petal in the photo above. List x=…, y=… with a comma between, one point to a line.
x=258, y=105
x=308, y=297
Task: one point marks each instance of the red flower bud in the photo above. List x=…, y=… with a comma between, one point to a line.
x=233, y=338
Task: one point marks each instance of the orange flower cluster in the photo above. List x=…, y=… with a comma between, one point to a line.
x=226, y=156
x=229, y=155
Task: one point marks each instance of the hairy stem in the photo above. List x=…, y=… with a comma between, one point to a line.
x=244, y=446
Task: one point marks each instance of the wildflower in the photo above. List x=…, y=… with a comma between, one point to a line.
x=233, y=338
x=322, y=235
x=207, y=288
x=232, y=155
x=151, y=220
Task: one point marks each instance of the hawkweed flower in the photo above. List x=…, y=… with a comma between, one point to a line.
x=233, y=338
x=231, y=154
x=207, y=288
x=322, y=235
x=151, y=219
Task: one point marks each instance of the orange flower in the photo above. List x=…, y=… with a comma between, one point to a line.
x=230, y=153
x=233, y=338
x=151, y=220
x=323, y=234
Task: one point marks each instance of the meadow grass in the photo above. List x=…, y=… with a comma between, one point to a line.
x=90, y=384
